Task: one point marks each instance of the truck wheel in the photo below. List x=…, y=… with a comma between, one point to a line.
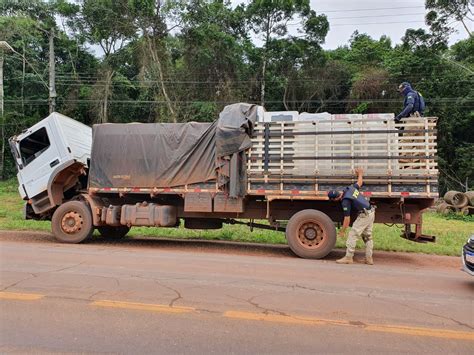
x=311, y=234
x=456, y=199
x=113, y=232
x=72, y=222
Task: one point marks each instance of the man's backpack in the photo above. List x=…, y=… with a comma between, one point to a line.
x=421, y=103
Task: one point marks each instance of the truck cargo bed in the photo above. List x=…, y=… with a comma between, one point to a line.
x=303, y=160
x=309, y=158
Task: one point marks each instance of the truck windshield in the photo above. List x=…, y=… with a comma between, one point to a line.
x=34, y=145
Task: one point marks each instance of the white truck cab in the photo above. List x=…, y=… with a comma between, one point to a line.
x=50, y=157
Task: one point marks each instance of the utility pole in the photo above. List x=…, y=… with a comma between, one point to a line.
x=52, y=73
x=2, y=122
x=1, y=84
x=4, y=48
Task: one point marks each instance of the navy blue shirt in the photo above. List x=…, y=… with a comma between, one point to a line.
x=413, y=102
x=352, y=198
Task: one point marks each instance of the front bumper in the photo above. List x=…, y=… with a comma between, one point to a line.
x=468, y=258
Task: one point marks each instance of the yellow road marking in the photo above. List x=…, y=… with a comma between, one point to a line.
x=406, y=330
x=142, y=306
x=20, y=296
x=416, y=331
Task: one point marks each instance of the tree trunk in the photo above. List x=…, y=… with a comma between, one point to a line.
x=466, y=28
x=284, y=96
x=156, y=60
x=262, y=85
x=268, y=31
x=23, y=73
x=2, y=122
x=103, y=116
x=52, y=73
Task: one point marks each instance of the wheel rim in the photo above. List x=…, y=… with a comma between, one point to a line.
x=311, y=234
x=72, y=222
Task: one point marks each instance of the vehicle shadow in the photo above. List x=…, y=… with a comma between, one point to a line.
x=165, y=243
x=411, y=260
x=203, y=245
x=197, y=245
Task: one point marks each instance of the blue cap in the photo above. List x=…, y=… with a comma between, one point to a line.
x=404, y=85
x=333, y=194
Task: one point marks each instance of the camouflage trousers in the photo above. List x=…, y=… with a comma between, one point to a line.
x=361, y=228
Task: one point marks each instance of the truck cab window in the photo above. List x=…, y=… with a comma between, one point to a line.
x=34, y=145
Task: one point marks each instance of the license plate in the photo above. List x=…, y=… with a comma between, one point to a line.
x=470, y=258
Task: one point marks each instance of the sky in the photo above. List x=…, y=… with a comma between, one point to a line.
x=374, y=17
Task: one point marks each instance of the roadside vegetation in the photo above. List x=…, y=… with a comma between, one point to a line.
x=451, y=231
x=178, y=61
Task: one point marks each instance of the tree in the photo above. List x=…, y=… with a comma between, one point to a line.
x=108, y=24
x=444, y=12
x=213, y=38
x=150, y=20
x=43, y=15
x=269, y=19
x=318, y=86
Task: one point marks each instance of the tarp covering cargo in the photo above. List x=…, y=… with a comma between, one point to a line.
x=172, y=154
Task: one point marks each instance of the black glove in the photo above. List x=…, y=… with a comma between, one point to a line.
x=398, y=119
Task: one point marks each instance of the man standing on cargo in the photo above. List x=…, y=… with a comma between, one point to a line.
x=351, y=198
x=413, y=103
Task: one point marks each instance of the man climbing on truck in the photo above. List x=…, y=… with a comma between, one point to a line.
x=351, y=198
x=413, y=103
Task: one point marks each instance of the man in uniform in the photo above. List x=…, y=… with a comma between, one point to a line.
x=413, y=103
x=413, y=106
x=351, y=198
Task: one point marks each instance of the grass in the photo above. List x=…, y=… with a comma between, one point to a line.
x=451, y=231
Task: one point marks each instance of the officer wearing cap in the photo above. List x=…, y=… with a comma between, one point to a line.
x=351, y=198
x=413, y=102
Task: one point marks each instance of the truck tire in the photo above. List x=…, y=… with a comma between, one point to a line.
x=113, y=232
x=311, y=234
x=456, y=199
x=441, y=207
x=465, y=211
x=470, y=197
x=446, y=209
x=72, y=222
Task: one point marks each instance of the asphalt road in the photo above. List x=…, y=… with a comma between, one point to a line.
x=162, y=296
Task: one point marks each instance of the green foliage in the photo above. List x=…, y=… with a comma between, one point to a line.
x=105, y=22
x=363, y=107
x=459, y=217
x=367, y=52
x=443, y=12
x=203, y=111
x=155, y=61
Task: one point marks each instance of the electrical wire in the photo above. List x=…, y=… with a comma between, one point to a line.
x=373, y=23
x=374, y=9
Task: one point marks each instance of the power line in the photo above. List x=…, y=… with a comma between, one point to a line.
x=374, y=23
x=87, y=77
x=359, y=17
x=370, y=16
x=94, y=81
x=374, y=9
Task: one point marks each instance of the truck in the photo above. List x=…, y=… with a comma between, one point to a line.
x=263, y=169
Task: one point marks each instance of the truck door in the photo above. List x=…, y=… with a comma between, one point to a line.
x=39, y=156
